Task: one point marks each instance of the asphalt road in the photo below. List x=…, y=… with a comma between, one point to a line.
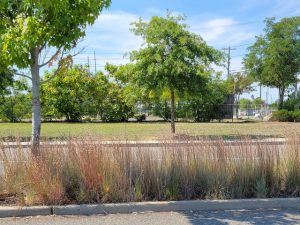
x=173, y=218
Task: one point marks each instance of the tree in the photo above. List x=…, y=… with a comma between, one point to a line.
x=173, y=58
x=116, y=107
x=123, y=94
x=160, y=104
x=208, y=104
x=74, y=93
x=274, y=59
x=245, y=103
x=6, y=80
x=15, y=105
x=29, y=28
x=238, y=84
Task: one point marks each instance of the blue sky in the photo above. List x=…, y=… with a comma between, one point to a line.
x=221, y=23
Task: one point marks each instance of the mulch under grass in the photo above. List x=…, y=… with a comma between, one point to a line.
x=8, y=200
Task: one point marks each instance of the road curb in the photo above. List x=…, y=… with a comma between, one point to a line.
x=171, y=206
x=25, y=211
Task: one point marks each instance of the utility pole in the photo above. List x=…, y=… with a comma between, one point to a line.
x=229, y=49
x=260, y=91
x=88, y=58
x=95, y=62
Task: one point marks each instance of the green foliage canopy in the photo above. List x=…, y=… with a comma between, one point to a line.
x=27, y=24
x=274, y=59
x=74, y=93
x=173, y=57
x=16, y=103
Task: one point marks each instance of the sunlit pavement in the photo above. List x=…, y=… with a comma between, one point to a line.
x=181, y=218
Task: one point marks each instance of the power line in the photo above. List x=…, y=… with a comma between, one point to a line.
x=95, y=62
x=229, y=49
x=234, y=56
x=237, y=46
x=238, y=70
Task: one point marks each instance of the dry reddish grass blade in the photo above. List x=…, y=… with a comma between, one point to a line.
x=86, y=171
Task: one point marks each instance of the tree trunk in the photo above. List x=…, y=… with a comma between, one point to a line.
x=36, y=104
x=281, y=98
x=172, y=111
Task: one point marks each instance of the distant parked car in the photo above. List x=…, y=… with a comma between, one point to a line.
x=258, y=116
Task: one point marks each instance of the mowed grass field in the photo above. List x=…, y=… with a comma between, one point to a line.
x=151, y=131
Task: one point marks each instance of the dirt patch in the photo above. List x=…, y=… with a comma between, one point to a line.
x=8, y=200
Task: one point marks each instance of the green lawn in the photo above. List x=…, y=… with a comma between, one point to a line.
x=149, y=131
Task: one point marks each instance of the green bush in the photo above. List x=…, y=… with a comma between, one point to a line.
x=286, y=116
x=15, y=108
x=162, y=109
x=282, y=116
x=117, y=111
x=296, y=116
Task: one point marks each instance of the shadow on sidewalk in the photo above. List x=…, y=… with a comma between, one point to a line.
x=276, y=216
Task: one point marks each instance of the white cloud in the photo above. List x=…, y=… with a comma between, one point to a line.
x=111, y=38
x=277, y=8
x=285, y=8
x=222, y=31
x=111, y=34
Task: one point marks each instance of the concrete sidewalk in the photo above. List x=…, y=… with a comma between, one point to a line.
x=140, y=207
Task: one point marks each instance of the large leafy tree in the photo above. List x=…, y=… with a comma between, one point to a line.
x=74, y=93
x=173, y=58
x=28, y=28
x=274, y=59
x=122, y=76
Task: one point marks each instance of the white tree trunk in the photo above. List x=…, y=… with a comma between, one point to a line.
x=36, y=104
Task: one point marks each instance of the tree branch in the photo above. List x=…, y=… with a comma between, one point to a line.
x=52, y=76
x=56, y=71
x=22, y=75
x=60, y=65
x=52, y=58
x=42, y=47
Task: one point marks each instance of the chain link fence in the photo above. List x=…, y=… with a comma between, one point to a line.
x=255, y=112
x=215, y=112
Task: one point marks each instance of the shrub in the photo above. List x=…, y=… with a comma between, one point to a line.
x=15, y=108
x=286, y=116
x=296, y=116
x=162, y=109
x=282, y=116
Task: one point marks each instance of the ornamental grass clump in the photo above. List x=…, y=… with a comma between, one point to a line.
x=84, y=170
